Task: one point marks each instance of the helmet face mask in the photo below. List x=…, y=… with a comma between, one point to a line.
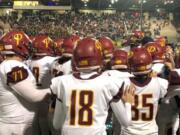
x=140, y=61
x=88, y=55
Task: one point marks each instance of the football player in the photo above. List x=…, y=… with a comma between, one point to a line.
x=63, y=65
x=135, y=38
x=163, y=63
x=108, y=48
x=40, y=65
x=17, y=87
x=148, y=92
x=158, y=57
x=119, y=64
x=42, y=59
x=171, y=121
x=119, y=68
x=83, y=98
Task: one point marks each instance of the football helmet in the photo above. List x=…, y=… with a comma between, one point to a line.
x=42, y=45
x=57, y=46
x=138, y=34
x=119, y=59
x=157, y=52
x=15, y=42
x=68, y=45
x=135, y=38
x=140, y=61
x=87, y=55
x=160, y=40
x=108, y=47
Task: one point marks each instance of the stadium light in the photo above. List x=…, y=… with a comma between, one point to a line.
x=85, y=1
x=158, y=10
x=112, y=1
x=171, y=1
x=7, y=12
x=168, y=2
x=144, y=1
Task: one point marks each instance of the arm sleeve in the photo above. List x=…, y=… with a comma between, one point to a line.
x=28, y=91
x=59, y=115
x=122, y=112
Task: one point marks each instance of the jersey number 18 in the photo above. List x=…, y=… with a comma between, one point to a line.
x=84, y=99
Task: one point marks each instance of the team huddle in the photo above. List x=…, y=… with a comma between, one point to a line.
x=67, y=86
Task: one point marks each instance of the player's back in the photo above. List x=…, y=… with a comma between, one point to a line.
x=145, y=108
x=41, y=70
x=87, y=102
x=13, y=107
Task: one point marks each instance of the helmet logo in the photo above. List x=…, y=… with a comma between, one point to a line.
x=162, y=43
x=98, y=45
x=83, y=63
x=46, y=42
x=55, y=44
x=151, y=49
x=130, y=54
x=117, y=62
x=18, y=38
x=141, y=68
